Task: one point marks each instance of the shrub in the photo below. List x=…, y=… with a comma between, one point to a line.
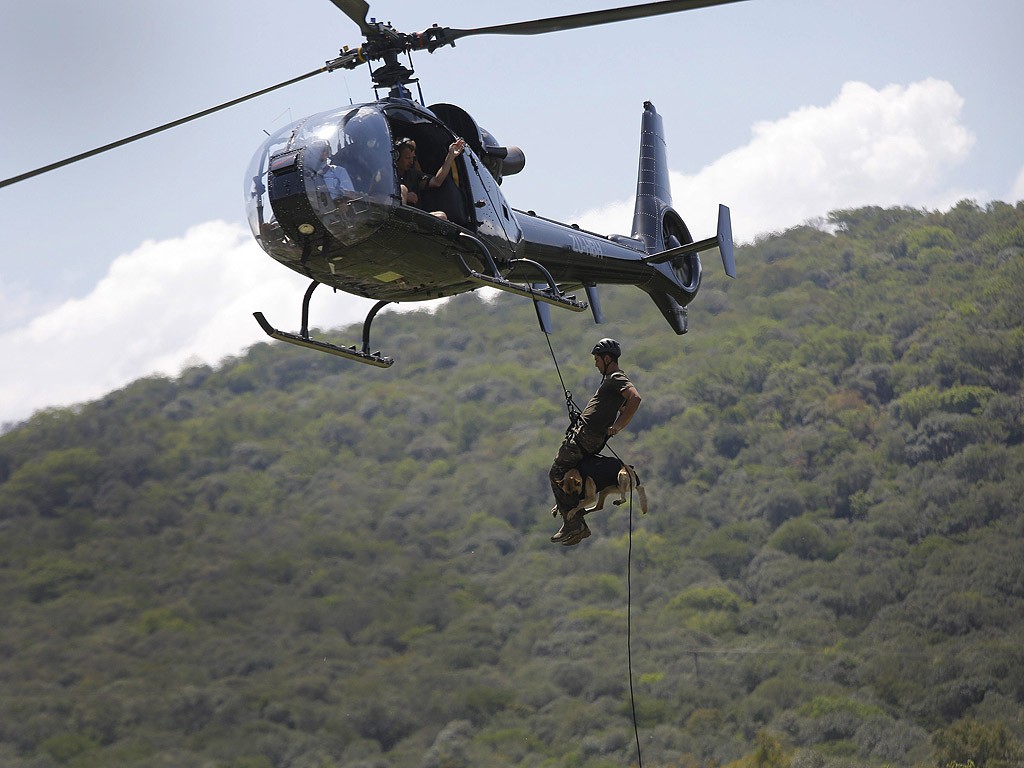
x=800, y=537
x=66, y=746
x=986, y=745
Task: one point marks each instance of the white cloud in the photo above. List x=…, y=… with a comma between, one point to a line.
x=868, y=147
x=164, y=304
x=17, y=304
x=176, y=301
x=1017, y=190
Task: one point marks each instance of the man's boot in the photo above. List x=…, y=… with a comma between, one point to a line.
x=571, y=528
x=575, y=538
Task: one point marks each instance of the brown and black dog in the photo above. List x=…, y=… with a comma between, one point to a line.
x=574, y=481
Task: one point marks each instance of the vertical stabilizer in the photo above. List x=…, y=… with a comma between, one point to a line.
x=653, y=194
x=670, y=247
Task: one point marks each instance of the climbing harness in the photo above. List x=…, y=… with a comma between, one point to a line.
x=574, y=419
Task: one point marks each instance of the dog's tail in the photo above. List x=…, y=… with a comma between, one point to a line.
x=641, y=492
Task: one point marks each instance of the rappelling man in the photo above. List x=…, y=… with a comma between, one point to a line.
x=609, y=411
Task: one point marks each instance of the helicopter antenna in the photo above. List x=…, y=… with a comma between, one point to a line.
x=417, y=81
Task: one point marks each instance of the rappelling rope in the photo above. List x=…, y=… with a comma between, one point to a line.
x=570, y=404
x=574, y=417
x=629, y=611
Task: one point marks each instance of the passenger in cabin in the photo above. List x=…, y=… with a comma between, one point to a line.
x=413, y=180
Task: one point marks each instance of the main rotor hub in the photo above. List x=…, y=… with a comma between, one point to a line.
x=392, y=73
x=384, y=42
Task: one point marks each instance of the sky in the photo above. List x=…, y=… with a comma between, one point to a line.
x=139, y=261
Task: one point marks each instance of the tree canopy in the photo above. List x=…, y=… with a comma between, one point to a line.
x=287, y=560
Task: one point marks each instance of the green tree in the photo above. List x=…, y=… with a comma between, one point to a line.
x=986, y=745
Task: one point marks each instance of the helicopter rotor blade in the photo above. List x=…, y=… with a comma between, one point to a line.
x=587, y=19
x=357, y=10
x=151, y=131
x=431, y=39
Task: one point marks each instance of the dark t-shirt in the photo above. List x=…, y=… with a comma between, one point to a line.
x=603, y=407
x=414, y=179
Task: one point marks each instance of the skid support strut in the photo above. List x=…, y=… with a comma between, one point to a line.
x=549, y=295
x=302, y=339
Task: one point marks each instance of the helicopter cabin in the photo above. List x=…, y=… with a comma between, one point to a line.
x=332, y=175
x=431, y=141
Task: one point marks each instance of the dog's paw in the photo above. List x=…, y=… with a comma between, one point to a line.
x=618, y=501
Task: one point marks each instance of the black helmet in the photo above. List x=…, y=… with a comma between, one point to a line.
x=608, y=347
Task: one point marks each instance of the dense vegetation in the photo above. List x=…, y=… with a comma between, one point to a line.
x=293, y=561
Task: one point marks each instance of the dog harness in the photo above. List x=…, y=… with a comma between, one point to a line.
x=604, y=470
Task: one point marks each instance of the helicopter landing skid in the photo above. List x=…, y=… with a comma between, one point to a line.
x=530, y=292
x=351, y=353
x=302, y=339
x=549, y=295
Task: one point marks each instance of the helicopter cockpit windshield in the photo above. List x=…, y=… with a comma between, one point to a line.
x=330, y=173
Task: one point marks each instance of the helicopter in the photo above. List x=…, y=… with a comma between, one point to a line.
x=324, y=198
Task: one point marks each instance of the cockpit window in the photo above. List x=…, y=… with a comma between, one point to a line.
x=350, y=151
x=343, y=160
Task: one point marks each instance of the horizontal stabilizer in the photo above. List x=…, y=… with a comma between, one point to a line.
x=724, y=238
x=722, y=241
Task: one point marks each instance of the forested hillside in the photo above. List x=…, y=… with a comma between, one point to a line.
x=291, y=561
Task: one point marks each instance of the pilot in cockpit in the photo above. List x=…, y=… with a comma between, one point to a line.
x=330, y=177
